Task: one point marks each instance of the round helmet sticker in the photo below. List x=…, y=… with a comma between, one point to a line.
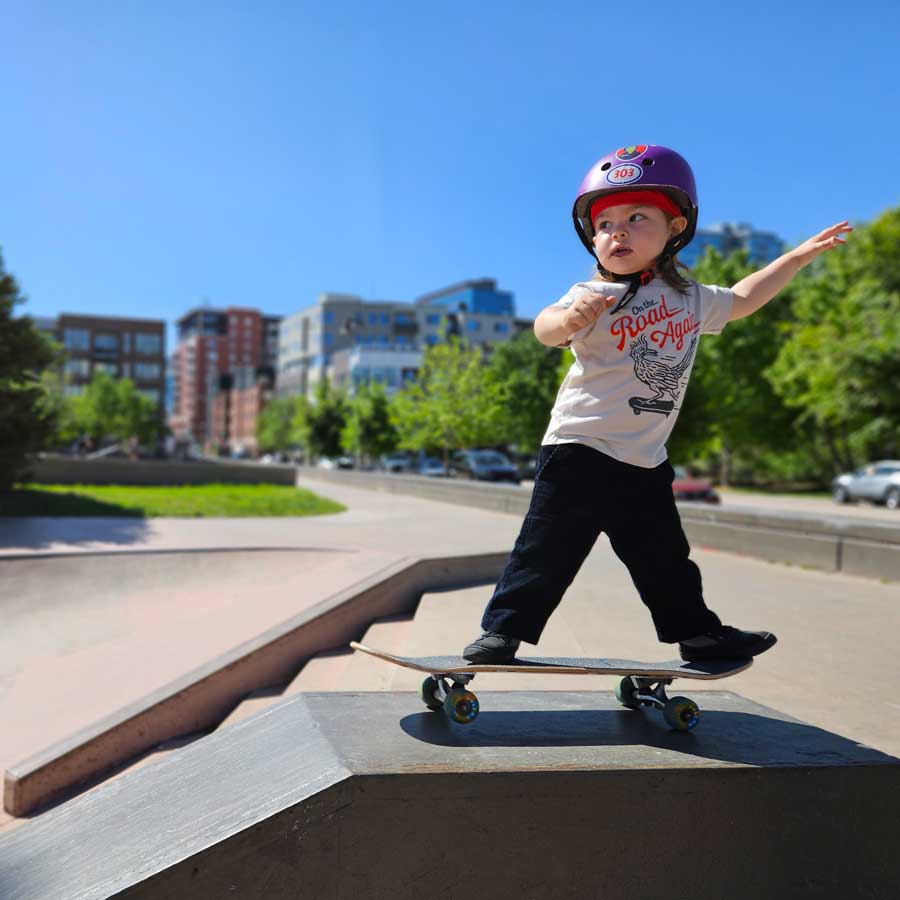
x=624, y=174
x=632, y=152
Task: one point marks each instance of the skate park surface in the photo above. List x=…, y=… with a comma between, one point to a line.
x=98, y=613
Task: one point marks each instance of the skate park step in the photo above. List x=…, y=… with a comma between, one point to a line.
x=348, y=795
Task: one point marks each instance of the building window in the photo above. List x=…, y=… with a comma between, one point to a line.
x=329, y=317
x=433, y=319
x=108, y=367
x=501, y=327
x=148, y=344
x=74, y=390
x=472, y=325
x=126, y=342
x=76, y=339
x=147, y=371
x=106, y=343
x=79, y=368
x=150, y=395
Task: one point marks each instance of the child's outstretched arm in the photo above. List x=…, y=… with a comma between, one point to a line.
x=758, y=289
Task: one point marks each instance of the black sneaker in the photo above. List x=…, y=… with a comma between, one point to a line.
x=492, y=649
x=726, y=643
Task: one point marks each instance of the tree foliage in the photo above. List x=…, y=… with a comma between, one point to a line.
x=455, y=402
x=113, y=409
x=529, y=373
x=27, y=421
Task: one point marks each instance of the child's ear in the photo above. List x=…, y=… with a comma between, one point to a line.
x=677, y=225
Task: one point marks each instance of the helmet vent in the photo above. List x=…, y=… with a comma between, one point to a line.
x=647, y=161
x=605, y=166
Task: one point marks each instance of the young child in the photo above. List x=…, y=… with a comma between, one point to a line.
x=602, y=466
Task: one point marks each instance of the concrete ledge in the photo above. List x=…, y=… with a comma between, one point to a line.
x=563, y=795
x=203, y=698
x=72, y=470
x=831, y=543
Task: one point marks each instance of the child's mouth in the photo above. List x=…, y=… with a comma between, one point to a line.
x=622, y=251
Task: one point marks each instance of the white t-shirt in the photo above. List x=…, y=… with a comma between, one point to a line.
x=624, y=390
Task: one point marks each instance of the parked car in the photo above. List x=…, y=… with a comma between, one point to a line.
x=400, y=461
x=877, y=482
x=526, y=466
x=483, y=465
x=432, y=467
x=686, y=487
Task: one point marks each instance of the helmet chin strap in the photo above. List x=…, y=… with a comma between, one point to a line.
x=635, y=280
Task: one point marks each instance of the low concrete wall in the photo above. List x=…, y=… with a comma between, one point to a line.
x=72, y=470
x=565, y=796
x=201, y=699
x=830, y=543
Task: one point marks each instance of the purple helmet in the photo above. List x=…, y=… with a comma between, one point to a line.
x=640, y=167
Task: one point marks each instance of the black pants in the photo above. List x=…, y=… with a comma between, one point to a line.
x=579, y=492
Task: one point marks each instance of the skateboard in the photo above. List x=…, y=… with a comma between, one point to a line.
x=658, y=406
x=643, y=684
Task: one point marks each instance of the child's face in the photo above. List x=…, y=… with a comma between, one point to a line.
x=629, y=238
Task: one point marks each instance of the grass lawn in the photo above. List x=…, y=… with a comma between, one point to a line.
x=185, y=501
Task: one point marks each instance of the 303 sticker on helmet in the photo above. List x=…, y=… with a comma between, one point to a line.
x=624, y=174
x=632, y=152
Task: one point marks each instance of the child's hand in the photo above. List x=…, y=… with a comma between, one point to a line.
x=585, y=311
x=824, y=240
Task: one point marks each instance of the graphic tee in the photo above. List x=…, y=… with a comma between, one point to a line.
x=626, y=386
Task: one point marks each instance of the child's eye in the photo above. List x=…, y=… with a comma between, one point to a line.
x=635, y=216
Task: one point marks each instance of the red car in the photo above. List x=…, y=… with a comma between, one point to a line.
x=687, y=488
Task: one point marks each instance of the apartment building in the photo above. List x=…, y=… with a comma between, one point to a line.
x=214, y=345
x=123, y=347
x=351, y=341
x=762, y=246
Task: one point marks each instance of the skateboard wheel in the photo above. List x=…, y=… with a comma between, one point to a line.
x=626, y=694
x=461, y=706
x=681, y=713
x=429, y=693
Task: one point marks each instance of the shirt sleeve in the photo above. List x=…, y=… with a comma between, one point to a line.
x=567, y=299
x=715, y=308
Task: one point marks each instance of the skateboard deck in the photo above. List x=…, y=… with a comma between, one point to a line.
x=565, y=665
x=643, y=684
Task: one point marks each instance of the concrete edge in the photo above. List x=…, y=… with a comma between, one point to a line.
x=201, y=699
x=801, y=539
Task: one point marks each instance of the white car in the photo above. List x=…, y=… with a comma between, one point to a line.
x=877, y=482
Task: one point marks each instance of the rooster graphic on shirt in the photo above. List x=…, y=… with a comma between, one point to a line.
x=660, y=377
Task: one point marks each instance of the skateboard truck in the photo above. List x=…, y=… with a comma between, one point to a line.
x=633, y=692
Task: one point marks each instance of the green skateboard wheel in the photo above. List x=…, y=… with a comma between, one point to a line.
x=461, y=706
x=682, y=714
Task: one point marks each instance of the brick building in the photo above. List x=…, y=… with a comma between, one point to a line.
x=214, y=345
x=125, y=348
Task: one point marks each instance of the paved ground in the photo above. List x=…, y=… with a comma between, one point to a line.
x=111, y=627
x=822, y=506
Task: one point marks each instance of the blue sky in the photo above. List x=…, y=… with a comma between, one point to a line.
x=159, y=154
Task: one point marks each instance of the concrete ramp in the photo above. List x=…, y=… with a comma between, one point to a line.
x=550, y=794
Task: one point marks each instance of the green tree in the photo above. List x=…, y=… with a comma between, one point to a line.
x=324, y=421
x=730, y=410
x=456, y=401
x=839, y=368
x=529, y=373
x=369, y=430
x=27, y=422
x=113, y=409
x=274, y=425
